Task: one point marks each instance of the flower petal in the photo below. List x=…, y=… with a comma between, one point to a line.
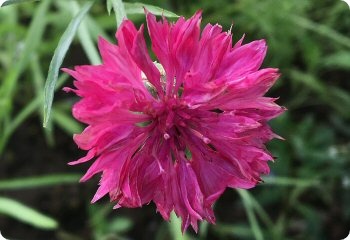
x=175, y=46
x=136, y=46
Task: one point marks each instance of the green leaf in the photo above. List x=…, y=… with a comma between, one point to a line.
x=309, y=80
x=237, y=230
x=138, y=8
x=321, y=29
x=31, y=43
x=58, y=57
x=119, y=9
x=88, y=44
x=286, y=181
x=32, y=106
x=203, y=229
x=338, y=60
x=120, y=225
x=26, y=214
x=109, y=7
x=38, y=181
x=175, y=228
x=20, y=117
x=10, y=2
x=84, y=34
x=248, y=205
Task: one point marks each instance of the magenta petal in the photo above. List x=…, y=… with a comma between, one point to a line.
x=159, y=34
x=88, y=157
x=175, y=46
x=138, y=50
x=243, y=60
x=213, y=46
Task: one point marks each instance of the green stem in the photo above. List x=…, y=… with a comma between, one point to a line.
x=250, y=213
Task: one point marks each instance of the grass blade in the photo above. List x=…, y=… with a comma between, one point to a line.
x=286, y=181
x=138, y=8
x=119, y=10
x=10, y=2
x=322, y=30
x=84, y=34
x=248, y=205
x=175, y=228
x=38, y=181
x=31, y=43
x=11, y=127
x=58, y=57
x=109, y=7
x=26, y=214
x=34, y=105
x=39, y=82
x=236, y=231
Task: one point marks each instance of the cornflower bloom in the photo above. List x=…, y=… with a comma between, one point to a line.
x=180, y=132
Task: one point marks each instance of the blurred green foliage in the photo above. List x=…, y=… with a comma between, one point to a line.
x=307, y=194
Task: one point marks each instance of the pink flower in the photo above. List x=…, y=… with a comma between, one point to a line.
x=179, y=134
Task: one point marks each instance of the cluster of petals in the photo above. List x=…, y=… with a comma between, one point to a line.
x=179, y=134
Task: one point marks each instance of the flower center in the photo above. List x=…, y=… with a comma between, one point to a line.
x=168, y=115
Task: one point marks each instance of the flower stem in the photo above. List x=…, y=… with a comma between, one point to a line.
x=175, y=228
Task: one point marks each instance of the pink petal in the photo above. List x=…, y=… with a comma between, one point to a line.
x=136, y=45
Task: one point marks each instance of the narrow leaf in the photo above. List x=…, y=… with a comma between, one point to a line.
x=238, y=230
x=120, y=225
x=338, y=60
x=31, y=43
x=138, y=8
x=175, y=228
x=26, y=214
x=84, y=34
x=251, y=215
x=285, y=181
x=321, y=29
x=38, y=181
x=109, y=6
x=58, y=57
x=10, y=2
x=119, y=9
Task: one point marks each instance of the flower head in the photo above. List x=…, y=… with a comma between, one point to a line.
x=178, y=134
